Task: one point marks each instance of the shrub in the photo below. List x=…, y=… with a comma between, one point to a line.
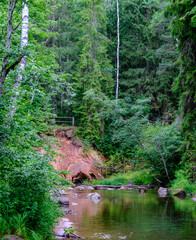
x=183, y=181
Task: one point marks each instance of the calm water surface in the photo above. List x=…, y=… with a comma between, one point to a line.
x=135, y=216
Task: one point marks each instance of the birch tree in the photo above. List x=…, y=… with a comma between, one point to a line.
x=24, y=42
x=118, y=46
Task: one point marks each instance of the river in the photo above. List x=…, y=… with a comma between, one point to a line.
x=131, y=215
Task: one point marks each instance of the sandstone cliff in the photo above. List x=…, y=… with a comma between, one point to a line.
x=82, y=165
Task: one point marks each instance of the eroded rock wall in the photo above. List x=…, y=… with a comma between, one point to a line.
x=81, y=165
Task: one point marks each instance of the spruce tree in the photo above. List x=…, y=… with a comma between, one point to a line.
x=184, y=27
x=147, y=55
x=93, y=71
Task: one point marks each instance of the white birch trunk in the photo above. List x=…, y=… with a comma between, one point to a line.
x=24, y=42
x=118, y=46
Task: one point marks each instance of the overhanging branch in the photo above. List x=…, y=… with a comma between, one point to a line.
x=12, y=67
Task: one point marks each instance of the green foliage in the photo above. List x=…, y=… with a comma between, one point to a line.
x=26, y=177
x=93, y=71
x=123, y=131
x=147, y=54
x=162, y=144
x=131, y=139
x=17, y=225
x=142, y=177
x=183, y=28
x=89, y=109
x=182, y=181
x=13, y=225
x=68, y=71
x=69, y=230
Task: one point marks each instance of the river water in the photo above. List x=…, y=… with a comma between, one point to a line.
x=131, y=215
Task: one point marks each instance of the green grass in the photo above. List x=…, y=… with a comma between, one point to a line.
x=142, y=177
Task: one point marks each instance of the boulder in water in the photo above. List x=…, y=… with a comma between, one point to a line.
x=179, y=193
x=63, y=224
x=63, y=200
x=94, y=196
x=163, y=192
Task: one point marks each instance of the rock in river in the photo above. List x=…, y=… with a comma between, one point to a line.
x=179, y=193
x=63, y=200
x=63, y=224
x=163, y=192
x=94, y=196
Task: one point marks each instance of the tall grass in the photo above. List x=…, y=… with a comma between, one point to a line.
x=142, y=177
x=17, y=225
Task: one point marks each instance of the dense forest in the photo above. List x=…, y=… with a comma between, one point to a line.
x=125, y=69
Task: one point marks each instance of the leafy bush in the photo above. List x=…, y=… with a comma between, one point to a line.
x=161, y=150
x=183, y=181
x=26, y=176
x=144, y=177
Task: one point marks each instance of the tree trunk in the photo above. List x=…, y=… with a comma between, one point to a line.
x=24, y=34
x=118, y=46
x=163, y=160
x=24, y=41
x=8, y=43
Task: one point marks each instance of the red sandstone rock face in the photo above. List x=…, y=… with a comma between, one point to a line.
x=82, y=166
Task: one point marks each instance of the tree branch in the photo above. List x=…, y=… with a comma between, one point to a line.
x=14, y=65
x=16, y=27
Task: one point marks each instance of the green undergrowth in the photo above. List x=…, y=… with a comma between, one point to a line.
x=142, y=177
x=18, y=225
x=183, y=181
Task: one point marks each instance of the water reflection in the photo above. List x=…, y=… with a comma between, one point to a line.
x=130, y=215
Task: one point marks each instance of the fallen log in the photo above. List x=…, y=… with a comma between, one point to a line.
x=105, y=187
x=129, y=186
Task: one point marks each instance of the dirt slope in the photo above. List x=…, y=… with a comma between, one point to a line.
x=81, y=165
